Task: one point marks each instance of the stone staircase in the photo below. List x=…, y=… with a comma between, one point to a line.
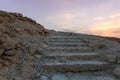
x=71, y=53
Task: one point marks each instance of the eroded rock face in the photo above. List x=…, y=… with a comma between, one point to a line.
x=15, y=24
x=18, y=34
x=8, y=53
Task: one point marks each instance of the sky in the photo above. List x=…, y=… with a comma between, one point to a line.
x=97, y=17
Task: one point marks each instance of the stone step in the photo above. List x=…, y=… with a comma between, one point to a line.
x=69, y=44
x=77, y=76
x=73, y=56
x=77, y=66
x=69, y=49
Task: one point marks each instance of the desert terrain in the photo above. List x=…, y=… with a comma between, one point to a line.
x=29, y=51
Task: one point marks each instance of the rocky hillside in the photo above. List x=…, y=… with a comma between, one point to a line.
x=18, y=35
x=15, y=24
x=28, y=51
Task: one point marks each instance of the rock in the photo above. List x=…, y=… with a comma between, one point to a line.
x=8, y=45
x=7, y=57
x=32, y=50
x=104, y=78
x=17, y=78
x=38, y=56
x=97, y=45
x=60, y=77
x=116, y=72
x=10, y=58
x=29, y=31
x=17, y=29
x=1, y=64
x=16, y=34
x=27, y=70
x=11, y=53
x=44, y=78
x=39, y=51
x=3, y=78
x=118, y=60
x=23, y=43
x=69, y=75
x=44, y=46
x=2, y=40
x=1, y=51
x=111, y=58
x=5, y=62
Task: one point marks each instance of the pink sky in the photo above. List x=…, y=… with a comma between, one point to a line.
x=98, y=17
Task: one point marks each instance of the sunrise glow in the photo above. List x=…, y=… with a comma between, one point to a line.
x=98, y=17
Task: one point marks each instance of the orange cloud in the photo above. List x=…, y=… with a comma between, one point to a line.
x=115, y=15
x=107, y=26
x=106, y=29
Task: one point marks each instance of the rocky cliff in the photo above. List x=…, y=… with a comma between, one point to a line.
x=18, y=35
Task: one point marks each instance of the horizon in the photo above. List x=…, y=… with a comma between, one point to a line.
x=95, y=17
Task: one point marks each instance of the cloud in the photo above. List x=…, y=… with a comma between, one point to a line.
x=71, y=26
x=65, y=16
x=100, y=18
x=108, y=17
x=108, y=28
x=104, y=26
x=65, y=20
x=115, y=15
x=107, y=25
